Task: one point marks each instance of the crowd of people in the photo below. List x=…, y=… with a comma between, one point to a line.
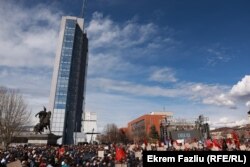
x=100, y=155
x=89, y=155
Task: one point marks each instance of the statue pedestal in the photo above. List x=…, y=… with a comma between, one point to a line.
x=49, y=139
x=38, y=139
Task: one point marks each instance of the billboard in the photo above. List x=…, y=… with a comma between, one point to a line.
x=185, y=134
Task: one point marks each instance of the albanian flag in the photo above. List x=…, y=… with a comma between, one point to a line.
x=60, y=152
x=120, y=154
x=145, y=142
x=236, y=139
x=216, y=143
x=208, y=143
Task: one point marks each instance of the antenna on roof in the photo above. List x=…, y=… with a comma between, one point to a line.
x=84, y=4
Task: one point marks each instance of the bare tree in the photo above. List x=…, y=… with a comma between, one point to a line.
x=13, y=114
x=111, y=131
x=111, y=134
x=123, y=136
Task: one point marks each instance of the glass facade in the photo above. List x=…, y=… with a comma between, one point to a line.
x=65, y=64
x=69, y=88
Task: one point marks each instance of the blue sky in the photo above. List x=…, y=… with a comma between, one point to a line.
x=187, y=57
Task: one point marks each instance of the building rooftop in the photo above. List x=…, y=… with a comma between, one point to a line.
x=161, y=113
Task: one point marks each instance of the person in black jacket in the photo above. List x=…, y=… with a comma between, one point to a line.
x=224, y=145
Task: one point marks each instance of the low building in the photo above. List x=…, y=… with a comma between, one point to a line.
x=139, y=128
x=89, y=126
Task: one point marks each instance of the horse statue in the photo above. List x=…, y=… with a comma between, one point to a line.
x=44, y=121
x=38, y=128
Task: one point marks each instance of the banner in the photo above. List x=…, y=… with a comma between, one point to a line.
x=14, y=164
x=101, y=154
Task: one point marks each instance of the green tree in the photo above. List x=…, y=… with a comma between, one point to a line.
x=153, y=132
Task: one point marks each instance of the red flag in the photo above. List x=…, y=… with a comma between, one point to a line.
x=159, y=143
x=42, y=164
x=236, y=139
x=229, y=141
x=61, y=151
x=209, y=143
x=216, y=143
x=145, y=142
x=234, y=135
x=120, y=154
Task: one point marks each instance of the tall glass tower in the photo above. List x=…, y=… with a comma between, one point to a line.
x=68, y=81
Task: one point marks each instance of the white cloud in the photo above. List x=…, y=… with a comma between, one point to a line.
x=200, y=91
x=107, y=64
x=223, y=119
x=113, y=46
x=197, y=88
x=180, y=90
x=28, y=35
x=239, y=92
x=248, y=104
x=105, y=33
x=220, y=100
x=110, y=85
x=218, y=54
x=163, y=75
x=242, y=88
x=32, y=83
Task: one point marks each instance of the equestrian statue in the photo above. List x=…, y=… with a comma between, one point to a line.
x=44, y=121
